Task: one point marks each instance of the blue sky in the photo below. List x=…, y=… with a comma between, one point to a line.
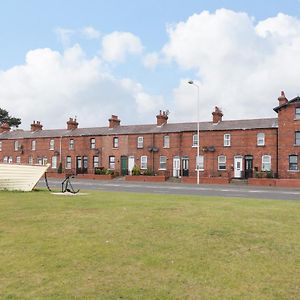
x=27, y=26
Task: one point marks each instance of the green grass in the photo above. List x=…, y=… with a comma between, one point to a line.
x=134, y=246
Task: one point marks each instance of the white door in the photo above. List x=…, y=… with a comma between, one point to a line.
x=238, y=166
x=130, y=164
x=176, y=166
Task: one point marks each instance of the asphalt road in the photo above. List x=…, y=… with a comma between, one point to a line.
x=230, y=190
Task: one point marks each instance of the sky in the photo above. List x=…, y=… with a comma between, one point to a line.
x=91, y=59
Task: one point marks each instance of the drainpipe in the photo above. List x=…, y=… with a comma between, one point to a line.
x=153, y=153
x=277, y=152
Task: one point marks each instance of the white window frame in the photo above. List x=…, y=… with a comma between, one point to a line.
x=227, y=139
x=16, y=145
x=200, y=163
x=10, y=160
x=39, y=161
x=115, y=142
x=144, y=159
x=33, y=145
x=18, y=159
x=140, y=142
x=112, y=162
x=265, y=161
x=5, y=159
x=44, y=160
x=51, y=144
x=297, y=113
x=54, y=162
x=96, y=162
x=222, y=162
x=195, y=140
x=297, y=137
x=92, y=143
x=30, y=160
x=68, y=162
x=166, y=143
x=293, y=163
x=162, y=162
x=0, y=146
x=71, y=144
x=260, y=139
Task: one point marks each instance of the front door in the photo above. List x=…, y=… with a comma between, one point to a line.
x=130, y=164
x=185, y=166
x=176, y=166
x=248, y=166
x=85, y=165
x=78, y=165
x=124, y=167
x=238, y=166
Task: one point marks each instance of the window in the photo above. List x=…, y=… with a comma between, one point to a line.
x=18, y=159
x=96, y=162
x=143, y=162
x=0, y=146
x=5, y=159
x=162, y=162
x=297, y=137
x=44, y=160
x=16, y=145
x=51, y=145
x=30, y=160
x=200, y=162
x=33, y=145
x=71, y=144
x=140, y=142
x=297, y=113
x=227, y=140
x=266, y=163
x=115, y=142
x=39, y=161
x=54, y=162
x=68, y=162
x=93, y=143
x=260, y=138
x=10, y=160
x=293, y=162
x=222, y=162
x=166, y=141
x=195, y=140
x=112, y=160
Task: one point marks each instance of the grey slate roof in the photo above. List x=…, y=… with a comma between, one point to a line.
x=144, y=129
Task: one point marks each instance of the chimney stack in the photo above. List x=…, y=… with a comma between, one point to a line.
x=72, y=124
x=282, y=99
x=114, y=121
x=162, y=118
x=217, y=115
x=4, y=127
x=36, y=125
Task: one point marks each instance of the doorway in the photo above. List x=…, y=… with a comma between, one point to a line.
x=185, y=166
x=130, y=164
x=248, y=166
x=124, y=165
x=238, y=166
x=176, y=166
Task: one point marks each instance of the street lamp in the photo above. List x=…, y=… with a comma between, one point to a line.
x=198, y=144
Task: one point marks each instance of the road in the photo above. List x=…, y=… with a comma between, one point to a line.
x=180, y=189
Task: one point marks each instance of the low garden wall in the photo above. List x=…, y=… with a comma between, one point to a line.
x=82, y=176
x=288, y=183
x=205, y=180
x=145, y=178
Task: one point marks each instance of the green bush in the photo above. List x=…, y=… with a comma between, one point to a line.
x=148, y=172
x=59, y=170
x=270, y=174
x=136, y=170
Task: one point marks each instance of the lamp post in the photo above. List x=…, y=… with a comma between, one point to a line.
x=198, y=144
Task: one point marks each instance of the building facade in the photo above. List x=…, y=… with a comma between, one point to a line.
x=232, y=149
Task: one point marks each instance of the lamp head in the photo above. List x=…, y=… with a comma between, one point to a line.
x=191, y=82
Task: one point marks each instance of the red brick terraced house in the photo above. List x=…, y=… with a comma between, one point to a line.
x=230, y=149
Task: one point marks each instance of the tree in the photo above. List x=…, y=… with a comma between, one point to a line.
x=6, y=118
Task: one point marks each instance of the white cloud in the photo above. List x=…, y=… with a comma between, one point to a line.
x=151, y=60
x=51, y=87
x=64, y=35
x=116, y=45
x=240, y=65
x=90, y=33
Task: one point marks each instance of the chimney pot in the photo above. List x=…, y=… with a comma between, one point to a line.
x=114, y=121
x=72, y=124
x=217, y=115
x=36, y=125
x=282, y=99
x=161, y=118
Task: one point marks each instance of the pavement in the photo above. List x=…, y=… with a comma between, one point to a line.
x=229, y=190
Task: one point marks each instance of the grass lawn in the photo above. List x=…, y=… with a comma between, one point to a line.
x=140, y=246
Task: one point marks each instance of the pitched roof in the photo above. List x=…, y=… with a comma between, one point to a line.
x=144, y=129
x=296, y=99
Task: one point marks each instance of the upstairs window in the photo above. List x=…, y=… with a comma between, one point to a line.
x=260, y=139
x=297, y=138
x=51, y=144
x=297, y=113
x=140, y=142
x=33, y=145
x=16, y=145
x=93, y=143
x=266, y=163
x=115, y=142
x=166, y=141
x=222, y=162
x=144, y=162
x=293, y=162
x=195, y=140
x=227, y=138
x=71, y=144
